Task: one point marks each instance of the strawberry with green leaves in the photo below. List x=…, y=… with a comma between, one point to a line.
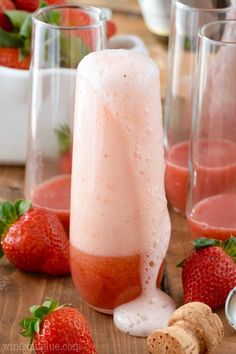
x=16, y=29
x=33, y=239
x=64, y=138
x=57, y=329
x=209, y=273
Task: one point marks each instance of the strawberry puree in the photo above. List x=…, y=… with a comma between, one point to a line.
x=54, y=195
x=106, y=282
x=176, y=176
x=214, y=217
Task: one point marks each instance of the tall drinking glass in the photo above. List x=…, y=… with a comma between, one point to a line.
x=62, y=36
x=187, y=17
x=212, y=198
x=120, y=226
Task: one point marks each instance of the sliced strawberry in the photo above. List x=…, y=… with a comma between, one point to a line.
x=10, y=57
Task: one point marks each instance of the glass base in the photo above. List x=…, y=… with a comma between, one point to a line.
x=98, y=309
x=177, y=210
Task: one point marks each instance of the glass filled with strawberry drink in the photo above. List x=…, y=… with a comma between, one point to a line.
x=212, y=198
x=120, y=229
x=62, y=36
x=187, y=17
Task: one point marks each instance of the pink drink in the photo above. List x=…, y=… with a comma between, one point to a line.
x=119, y=221
x=215, y=168
x=213, y=199
x=214, y=217
x=176, y=175
x=54, y=195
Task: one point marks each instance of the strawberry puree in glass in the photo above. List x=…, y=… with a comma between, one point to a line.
x=120, y=227
x=214, y=217
x=54, y=195
x=176, y=175
x=213, y=198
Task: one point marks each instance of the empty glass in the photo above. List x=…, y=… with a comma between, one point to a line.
x=187, y=18
x=212, y=198
x=62, y=36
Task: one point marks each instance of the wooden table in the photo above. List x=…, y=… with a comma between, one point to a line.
x=19, y=290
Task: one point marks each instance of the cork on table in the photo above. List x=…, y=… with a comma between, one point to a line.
x=19, y=290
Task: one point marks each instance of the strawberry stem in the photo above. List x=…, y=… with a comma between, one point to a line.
x=206, y=242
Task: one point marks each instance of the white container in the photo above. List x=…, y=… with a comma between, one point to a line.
x=156, y=14
x=14, y=114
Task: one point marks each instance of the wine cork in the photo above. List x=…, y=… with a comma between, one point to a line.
x=193, y=329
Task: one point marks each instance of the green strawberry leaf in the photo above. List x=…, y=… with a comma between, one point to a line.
x=26, y=27
x=42, y=4
x=181, y=264
x=206, y=242
x=73, y=49
x=17, y=17
x=27, y=325
x=230, y=247
x=2, y=227
x=53, y=17
x=10, y=213
x=64, y=137
x=10, y=40
x=31, y=325
x=37, y=326
x=51, y=304
x=22, y=206
x=40, y=312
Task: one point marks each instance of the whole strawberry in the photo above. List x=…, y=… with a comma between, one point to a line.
x=57, y=329
x=33, y=239
x=4, y=20
x=27, y=5
x=209, y=273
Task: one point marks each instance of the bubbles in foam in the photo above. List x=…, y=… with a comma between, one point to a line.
x=141, y=316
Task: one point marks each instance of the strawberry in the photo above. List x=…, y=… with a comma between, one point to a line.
x=209, y=273
x=6, y=5
x=10, y=57
x=57, y=329
x=56, y=2
x=111, y=28
x=33, y=239
x=27, y=5
x=5, y=23
x=64, y=137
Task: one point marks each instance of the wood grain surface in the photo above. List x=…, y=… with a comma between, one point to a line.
x=19, y=290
